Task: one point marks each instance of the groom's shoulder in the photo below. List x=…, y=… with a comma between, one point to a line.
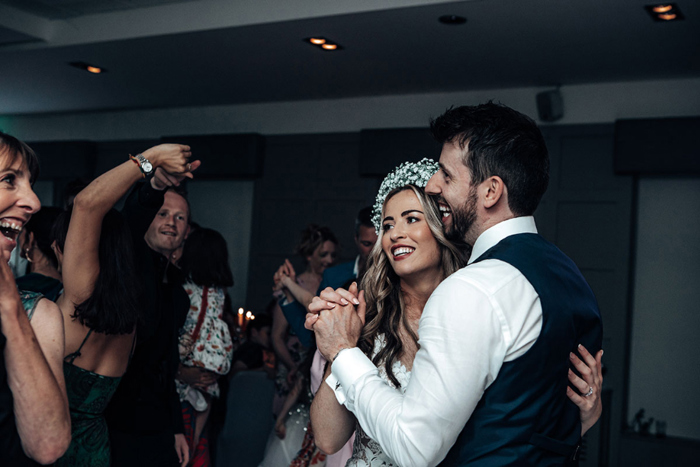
x=487, y=276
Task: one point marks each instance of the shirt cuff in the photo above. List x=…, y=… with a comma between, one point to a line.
x=347, y=368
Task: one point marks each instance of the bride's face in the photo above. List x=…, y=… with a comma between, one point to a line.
x=407, y=240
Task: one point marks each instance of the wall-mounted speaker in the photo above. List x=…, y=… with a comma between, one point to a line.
x=550, y=106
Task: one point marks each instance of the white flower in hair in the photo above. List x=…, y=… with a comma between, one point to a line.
x=408, y=173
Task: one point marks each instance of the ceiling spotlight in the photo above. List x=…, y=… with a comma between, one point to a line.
x=664, y=12
x=322, y=42
x=662, y=8
x=87, y=67
x=452, y=19
x=668, y=16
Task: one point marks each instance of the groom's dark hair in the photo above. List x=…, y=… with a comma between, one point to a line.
x=502, y=142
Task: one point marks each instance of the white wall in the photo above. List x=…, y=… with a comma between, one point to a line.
x=664, y=376
x=587, y=103
x=227, y=207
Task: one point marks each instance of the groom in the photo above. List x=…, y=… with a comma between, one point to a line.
x=488, y=383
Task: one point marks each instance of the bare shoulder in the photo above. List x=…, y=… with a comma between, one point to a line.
x=47, y=321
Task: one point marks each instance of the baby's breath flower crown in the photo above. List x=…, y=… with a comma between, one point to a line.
x=408, y=173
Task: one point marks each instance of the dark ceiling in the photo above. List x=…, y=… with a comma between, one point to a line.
x=505, y=43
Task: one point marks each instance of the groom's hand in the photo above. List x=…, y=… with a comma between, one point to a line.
x=340, y=328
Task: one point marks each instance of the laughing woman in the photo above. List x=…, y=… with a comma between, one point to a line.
x=34, y=419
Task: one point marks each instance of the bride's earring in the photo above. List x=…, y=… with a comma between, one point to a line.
x=27, y=255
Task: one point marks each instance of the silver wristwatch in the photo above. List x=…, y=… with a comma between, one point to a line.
x=144, y=164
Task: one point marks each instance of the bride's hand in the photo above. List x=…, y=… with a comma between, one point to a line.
x=340, y=328
x=328, y=300
x=589, y=384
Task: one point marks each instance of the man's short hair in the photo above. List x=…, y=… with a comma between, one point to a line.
x=182, y=191
x=501, y=142
x=364, y=217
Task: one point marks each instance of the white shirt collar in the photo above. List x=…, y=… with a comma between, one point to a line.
x=356, y=269
x=498, y=232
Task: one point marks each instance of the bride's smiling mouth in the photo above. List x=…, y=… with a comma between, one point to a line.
x=401, y=252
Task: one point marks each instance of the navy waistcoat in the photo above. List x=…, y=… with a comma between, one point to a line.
x=525, y=416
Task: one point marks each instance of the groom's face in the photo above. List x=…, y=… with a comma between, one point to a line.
x=456, y=195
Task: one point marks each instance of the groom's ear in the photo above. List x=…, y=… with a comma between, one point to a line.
x=493, y=190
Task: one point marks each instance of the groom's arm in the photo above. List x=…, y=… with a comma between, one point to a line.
x=462, y=350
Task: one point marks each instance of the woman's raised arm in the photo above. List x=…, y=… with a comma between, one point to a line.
x=80, y=265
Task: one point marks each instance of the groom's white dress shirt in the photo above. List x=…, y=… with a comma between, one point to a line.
x=481, y=316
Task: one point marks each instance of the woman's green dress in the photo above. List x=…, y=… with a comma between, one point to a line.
x=88, y=396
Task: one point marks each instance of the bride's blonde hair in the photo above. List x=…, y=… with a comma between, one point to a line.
x=385, y=303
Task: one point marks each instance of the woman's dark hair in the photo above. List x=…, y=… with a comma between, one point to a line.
x=205, y=259
x=114, y=306
x=312, y=237
x=40, y=225
x=12, y=147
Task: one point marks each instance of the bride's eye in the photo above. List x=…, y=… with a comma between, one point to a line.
x=412, y=219
x=386, y=227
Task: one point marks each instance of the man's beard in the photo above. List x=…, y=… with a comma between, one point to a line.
x=463, y=218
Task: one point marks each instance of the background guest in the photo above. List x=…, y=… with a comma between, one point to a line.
x=145, y=416
x=255, y=352
x=101, y=302
x=317, y=247
x=298, y=298
x=205, y=341
x=36, y=246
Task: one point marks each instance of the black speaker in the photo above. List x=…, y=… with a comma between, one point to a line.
x=550, y=106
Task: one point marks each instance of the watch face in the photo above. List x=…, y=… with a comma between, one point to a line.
x=147, y=167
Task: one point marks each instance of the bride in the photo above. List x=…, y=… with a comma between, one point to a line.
x=395, y=293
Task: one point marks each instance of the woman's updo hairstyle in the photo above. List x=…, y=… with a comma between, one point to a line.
x=312, y=237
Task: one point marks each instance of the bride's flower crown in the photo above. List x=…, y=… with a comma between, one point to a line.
x=408, y=173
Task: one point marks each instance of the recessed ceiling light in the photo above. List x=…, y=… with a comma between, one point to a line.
x=664, y=12
x=662, y=8
x=452, y=19
x=323, y=43
x=87, y=67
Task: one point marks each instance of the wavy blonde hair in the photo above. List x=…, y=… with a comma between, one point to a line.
x=385, y=302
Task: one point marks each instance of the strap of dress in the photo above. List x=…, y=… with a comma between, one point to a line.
x=70, y=358
x=133, y=346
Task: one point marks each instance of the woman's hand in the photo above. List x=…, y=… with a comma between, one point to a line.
x=280, y=429
x=182, y=450
x=289, y=270
x=284, y=276
x=589, y=385
x=9, y=297
x=292, y=375
x=196, y=377
x=277, y=278
x=328, y=300
x=173, y=158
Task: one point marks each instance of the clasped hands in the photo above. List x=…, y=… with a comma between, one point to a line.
x=172, y=164
x=337, y=318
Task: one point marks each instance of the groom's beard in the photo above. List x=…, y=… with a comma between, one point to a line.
x=463, y=218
